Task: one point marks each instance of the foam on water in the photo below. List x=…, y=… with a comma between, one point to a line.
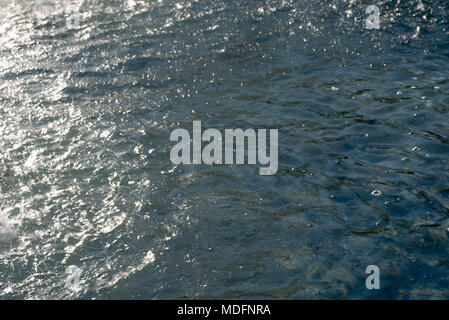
x=8, y=228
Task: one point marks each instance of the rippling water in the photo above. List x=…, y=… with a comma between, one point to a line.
x=86, y=179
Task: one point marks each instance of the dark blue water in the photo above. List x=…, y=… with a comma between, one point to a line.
x=86, y=179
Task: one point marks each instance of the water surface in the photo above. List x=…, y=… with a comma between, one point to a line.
x=86, y=179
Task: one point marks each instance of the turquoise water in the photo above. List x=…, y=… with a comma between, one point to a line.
x=86, y=179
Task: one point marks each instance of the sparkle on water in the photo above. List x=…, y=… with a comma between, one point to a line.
x=85, y=120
